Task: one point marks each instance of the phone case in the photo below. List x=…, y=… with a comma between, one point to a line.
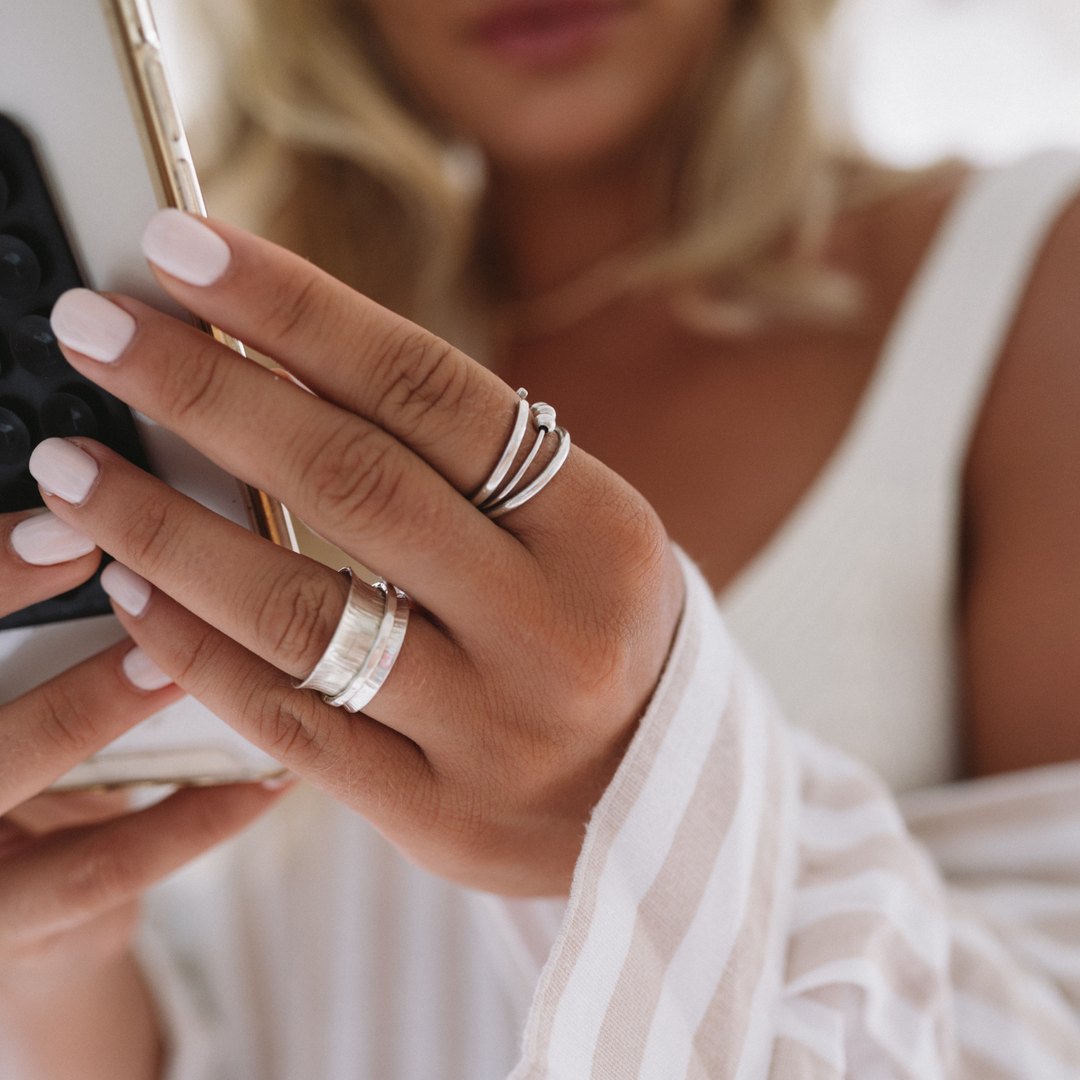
x=91, y=145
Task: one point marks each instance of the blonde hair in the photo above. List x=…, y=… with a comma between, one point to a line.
x=351, y=177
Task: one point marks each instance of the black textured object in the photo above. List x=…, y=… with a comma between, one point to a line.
x=41, y=394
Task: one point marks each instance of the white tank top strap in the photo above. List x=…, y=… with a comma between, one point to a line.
x=948, y=335
x=849, y=609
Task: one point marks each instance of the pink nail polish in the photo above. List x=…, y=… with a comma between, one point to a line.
x=276, y=783
x=91, y=325
x=62, y=469
x=130, y=591
x=45, y=540
x=185, y=248
x=142, y=672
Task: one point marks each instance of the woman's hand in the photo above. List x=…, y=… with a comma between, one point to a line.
x=540, y=638
x=73, y=866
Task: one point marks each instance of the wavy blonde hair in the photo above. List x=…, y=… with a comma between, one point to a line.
x=328, y=158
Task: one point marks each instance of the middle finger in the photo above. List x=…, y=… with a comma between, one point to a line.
x=279, y=605
x=347, y=478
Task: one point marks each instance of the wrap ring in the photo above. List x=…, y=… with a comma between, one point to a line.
x=364, y=646
x=494, y=500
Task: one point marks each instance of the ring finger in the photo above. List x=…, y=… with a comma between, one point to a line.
x=281, y=606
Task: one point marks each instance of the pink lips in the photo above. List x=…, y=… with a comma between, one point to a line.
x=538, y=33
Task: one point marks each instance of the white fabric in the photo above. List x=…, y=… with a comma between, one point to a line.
x=848, y=611
x=748, y=904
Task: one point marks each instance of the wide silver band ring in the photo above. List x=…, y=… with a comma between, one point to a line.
x=364, y=646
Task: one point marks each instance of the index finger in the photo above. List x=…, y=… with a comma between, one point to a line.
x=444, y=406
x=51, y=729
x=75, y=874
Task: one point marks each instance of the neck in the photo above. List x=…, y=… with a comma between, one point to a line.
x=551, y=227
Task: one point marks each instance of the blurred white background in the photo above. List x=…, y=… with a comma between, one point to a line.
x=916, y=80
x=985, y=79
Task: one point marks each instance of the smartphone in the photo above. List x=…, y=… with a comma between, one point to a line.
x=91, y=145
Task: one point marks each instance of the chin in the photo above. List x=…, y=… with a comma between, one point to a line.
x=567, y=131
x=554, y=151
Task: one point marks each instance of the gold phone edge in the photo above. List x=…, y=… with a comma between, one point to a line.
x=135, y=39
x=138, y=48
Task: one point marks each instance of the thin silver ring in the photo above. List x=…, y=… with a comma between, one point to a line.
x=513, y=445
x=495, y=501
x=526, y=493
x=544, y=415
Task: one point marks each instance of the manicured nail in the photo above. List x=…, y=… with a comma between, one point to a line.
x=92, y=325
x=44, y=540
x=126, y=587
x=61, y=468
x=143, y=672
x=182, y=246
x=276, y=783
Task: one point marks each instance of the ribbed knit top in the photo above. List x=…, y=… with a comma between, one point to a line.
x=849, y=609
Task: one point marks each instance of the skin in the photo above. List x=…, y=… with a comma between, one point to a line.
x=72, y=867
x=480, y=759
x=747, y=424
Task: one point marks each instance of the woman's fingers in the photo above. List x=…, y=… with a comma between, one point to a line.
x=279, y=605
x=350, y=480
x=52, y=728
x=62, y=809
x=41, y=556
x=353, y=757
x=68, y=877
x=348, y=349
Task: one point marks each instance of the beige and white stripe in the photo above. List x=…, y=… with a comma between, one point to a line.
x=748, y=905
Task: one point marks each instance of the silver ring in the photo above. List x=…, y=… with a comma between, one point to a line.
x=494, y=502
x=364, y=646
x=502, y=467
x=512, y=502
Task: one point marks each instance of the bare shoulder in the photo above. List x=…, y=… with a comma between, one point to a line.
x=1022, y=523
x=1046, y=333
x=1033, y=402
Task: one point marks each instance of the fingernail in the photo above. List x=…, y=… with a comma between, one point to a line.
x=45, y=540
x=182, y=246
x=92, y=325
x=143, y=672
x=61, y=468
x=276, y=783
x=126, y=587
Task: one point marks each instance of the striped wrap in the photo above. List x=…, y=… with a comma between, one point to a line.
x=750, y=903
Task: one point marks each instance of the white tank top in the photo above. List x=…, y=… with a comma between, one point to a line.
x=849, y=609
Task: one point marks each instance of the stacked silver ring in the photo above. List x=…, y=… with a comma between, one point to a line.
x=495, y=501
x=365, y=645
x=370, y=632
